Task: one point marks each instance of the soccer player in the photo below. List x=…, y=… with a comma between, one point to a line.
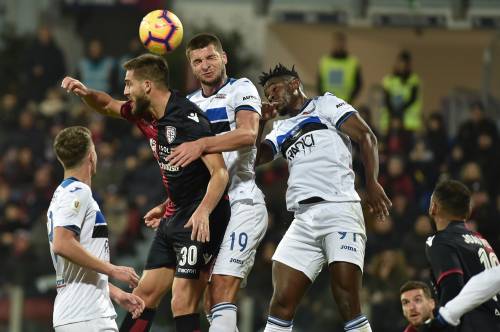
x=456, y=254
x=328, y=227
x=417, y=304
x=195, y=216
x=233, y=108
x=78, y=240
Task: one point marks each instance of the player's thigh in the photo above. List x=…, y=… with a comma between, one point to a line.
x=289, y=287
x=245, y=231
x=300, y=250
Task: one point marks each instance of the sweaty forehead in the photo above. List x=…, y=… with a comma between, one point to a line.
x=274, y=81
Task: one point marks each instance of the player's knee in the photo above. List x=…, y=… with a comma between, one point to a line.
x=223, y=289
x=183, y=305
x=282, y=306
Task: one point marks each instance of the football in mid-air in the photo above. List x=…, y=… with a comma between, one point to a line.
x=161, y=31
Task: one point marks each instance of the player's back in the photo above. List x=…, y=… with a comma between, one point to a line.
x=82, y=294
x=459, y=250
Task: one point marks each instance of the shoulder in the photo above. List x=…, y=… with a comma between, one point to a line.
x=242, y=86
x=195, y=95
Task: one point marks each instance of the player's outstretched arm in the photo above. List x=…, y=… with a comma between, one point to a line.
x=476, y=291
x=97, y=100
x=219, y=179
x=245, y=134
x=66, y=245
x=128, y=301
x=357, y=129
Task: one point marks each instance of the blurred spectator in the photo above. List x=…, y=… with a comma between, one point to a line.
x=381, y=237
x=44, y=65
x=398, y=140
x=134, y=50
x=470, y=131
x=96, y=69
x=437, y=138
x=339, y=72
x=397, y=180
x=414, y=243
x=386, y=270
x=403, y=95
x=485, y=215
x=417, y=304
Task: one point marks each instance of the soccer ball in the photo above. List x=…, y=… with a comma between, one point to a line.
x=160, y=31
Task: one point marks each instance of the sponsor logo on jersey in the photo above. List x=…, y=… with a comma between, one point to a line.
x=235, y=260
x=75, y=205
x=170, y=133
x=302, y=145
x=346, y=247
x=339, y=105
x=193, y=116
x=429, y=241
x=220, y=96
x=249, y=97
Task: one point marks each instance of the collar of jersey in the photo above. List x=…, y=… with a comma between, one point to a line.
x=308, y=101
x=229, y=79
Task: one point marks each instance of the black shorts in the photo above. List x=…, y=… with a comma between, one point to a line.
x=172, y=245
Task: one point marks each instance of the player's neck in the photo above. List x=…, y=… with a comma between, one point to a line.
x=82, y=174
x=298, y=104
x=209, y=90
x=443, y=222
x=159, y=103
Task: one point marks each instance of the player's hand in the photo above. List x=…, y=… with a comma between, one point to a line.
x=200, y=223
x=125, y=274
x=75, y=86
x=186, y=153
x=130, y=302
x=268, y=111
x=377, y=201
x=153, y=217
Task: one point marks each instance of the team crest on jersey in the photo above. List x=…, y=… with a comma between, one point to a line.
x=170, y=133
x=75, y=205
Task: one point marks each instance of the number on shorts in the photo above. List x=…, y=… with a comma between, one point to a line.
x=242, y=240
x=188, y=255
x=344, y=234
x=488, y=260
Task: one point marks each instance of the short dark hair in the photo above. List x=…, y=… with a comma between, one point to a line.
x=71, y=145
x=454, y=197
x=202, y=40
x=149, y=67
x=415, y=284
x=278, y=71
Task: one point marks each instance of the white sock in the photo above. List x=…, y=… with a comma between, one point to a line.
x=275, y=324
x=223, y=317
x=358, y=324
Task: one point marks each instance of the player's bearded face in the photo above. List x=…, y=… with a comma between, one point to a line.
x=208, y=65
x=141, y=104
x=278, y=93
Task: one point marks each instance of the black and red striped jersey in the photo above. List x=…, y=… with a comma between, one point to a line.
x=459, y=253
x=182, y=122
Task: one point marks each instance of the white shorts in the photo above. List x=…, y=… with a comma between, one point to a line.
x=245, y=231
x=105, y=324
x=323, y=233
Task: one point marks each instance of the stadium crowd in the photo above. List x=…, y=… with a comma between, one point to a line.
x=411, y=162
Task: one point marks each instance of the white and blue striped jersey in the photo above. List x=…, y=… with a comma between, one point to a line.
x=319, y=155
x=82, y=294
x=221, y=108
